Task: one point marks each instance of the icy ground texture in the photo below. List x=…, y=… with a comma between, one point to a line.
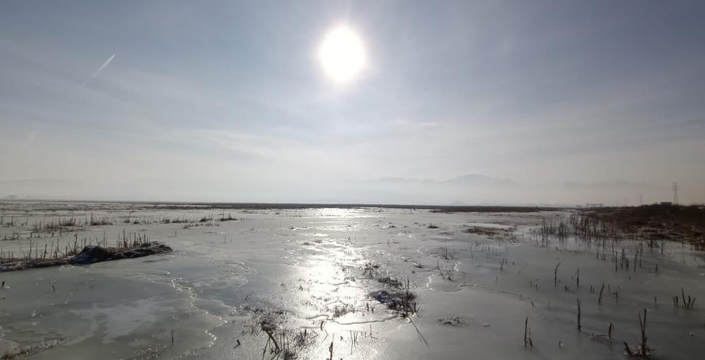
x=306, y=276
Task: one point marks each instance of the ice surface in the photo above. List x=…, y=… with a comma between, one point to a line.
x=306, y=268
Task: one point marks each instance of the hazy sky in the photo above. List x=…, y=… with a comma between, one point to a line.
x=226, y=100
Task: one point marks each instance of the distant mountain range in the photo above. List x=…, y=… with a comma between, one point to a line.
x=614, y=184
x=471, y=179
x=472, y=189
x=476, y=179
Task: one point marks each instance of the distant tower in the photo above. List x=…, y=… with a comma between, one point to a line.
x=675, y=193
x=640, y=197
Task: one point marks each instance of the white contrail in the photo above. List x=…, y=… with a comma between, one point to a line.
x=99, y=70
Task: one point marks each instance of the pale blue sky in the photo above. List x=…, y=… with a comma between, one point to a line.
x=541, y=92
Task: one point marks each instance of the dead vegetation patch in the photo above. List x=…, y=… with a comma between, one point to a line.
x=88, y=255
x=452, y=321
x=402, y=302
x=485, y=231
x=655, y=222
x=390, y=281
x=283, y=341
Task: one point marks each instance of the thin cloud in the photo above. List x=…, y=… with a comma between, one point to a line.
x=98, y=71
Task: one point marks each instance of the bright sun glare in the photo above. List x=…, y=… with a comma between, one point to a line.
x=342, y=54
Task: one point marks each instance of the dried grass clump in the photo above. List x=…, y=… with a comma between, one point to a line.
x=402, y=302
x=643, y=350
x=282, y=342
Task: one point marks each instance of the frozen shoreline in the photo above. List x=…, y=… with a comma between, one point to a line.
x=307, y=266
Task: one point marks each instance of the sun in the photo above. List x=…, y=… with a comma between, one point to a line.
x=342, y=54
